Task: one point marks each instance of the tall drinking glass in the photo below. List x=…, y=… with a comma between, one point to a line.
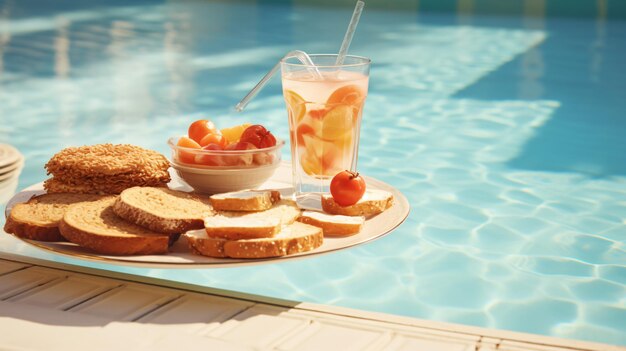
x=324, y=103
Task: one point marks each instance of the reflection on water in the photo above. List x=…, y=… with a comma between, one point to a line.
x=489, y=125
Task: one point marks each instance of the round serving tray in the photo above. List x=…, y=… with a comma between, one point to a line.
x=181, y=257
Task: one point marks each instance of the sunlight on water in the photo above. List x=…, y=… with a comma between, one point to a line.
x=485, y=244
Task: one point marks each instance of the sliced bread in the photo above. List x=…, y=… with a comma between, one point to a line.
x=333, y=225
x=372, y=203
x=294, y=238
x=94, y=225
x=245, y=200
x=163, y=210
x=38, y=219
x=249, y=225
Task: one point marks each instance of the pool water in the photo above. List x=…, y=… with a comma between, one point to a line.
x=505, y=130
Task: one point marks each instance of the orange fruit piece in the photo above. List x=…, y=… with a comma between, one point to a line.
x=187, y=156
x=347, y=94
x=233, y=134
x=295, y=105
x=320, y=157
x=316, y=167
x=213, y=138
x=200, y=128
x=337, y=122
x=303, y=129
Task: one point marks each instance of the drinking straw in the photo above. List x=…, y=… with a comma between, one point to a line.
x=350, y=32
x=300, y=55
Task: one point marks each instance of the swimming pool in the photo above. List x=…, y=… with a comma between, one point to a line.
x=505, y=132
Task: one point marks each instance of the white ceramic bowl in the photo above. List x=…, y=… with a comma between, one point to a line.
x=225, y=170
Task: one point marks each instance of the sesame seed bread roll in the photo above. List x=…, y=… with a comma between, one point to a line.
x=248, y=225
x=333, y=225
x=292, y=239
x=95, y=226
x=245, y=200
x=372, y=203
x=105, y=169
x=163, y=210
x=109, y=187
x=38, y=219
x=107, y=159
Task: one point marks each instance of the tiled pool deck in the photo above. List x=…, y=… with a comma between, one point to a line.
x=71, y=307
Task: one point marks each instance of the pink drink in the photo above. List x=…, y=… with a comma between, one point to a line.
x=324, y=120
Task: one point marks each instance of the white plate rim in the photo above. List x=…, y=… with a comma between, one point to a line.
x=181, y=257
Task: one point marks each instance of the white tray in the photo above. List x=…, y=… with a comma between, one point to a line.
x=181, y=257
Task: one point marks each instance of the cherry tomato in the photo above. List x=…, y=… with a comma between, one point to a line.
x=214, y=138
x=200, y=128
x=347, y=188
x=258, y=136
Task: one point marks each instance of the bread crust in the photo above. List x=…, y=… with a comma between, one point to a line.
x=106, y=233
x=25, y=222
x=126, y=209
x=237, y=233
x=118, y=246
x=259, y=248
x=33, y=232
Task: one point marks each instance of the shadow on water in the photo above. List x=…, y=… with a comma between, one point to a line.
x=579, y=66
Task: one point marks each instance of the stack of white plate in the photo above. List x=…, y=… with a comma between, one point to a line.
x=11, y=163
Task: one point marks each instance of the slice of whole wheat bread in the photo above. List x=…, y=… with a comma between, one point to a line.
x=333, y=225
x=372, y=203
x=245, y=200
x=163, y=210
x=94, y=225
x=232, y=225
x=38, y=219
x=292, y=239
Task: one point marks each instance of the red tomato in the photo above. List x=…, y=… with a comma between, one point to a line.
x=347, y=188
x=200, y=128
x=213, y=138
x=210, y=159
x=258, y=136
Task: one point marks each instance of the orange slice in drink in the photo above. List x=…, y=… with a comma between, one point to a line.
x=295, y=105
x=303, y=129
x=350, y=95
x=347, y=94
x=320, y=157
x=317, y=167
x=337, y=122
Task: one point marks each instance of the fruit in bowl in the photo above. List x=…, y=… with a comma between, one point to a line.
x=212, y=160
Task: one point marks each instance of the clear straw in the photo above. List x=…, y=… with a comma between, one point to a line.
x=300, y=55
x=350, y=32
